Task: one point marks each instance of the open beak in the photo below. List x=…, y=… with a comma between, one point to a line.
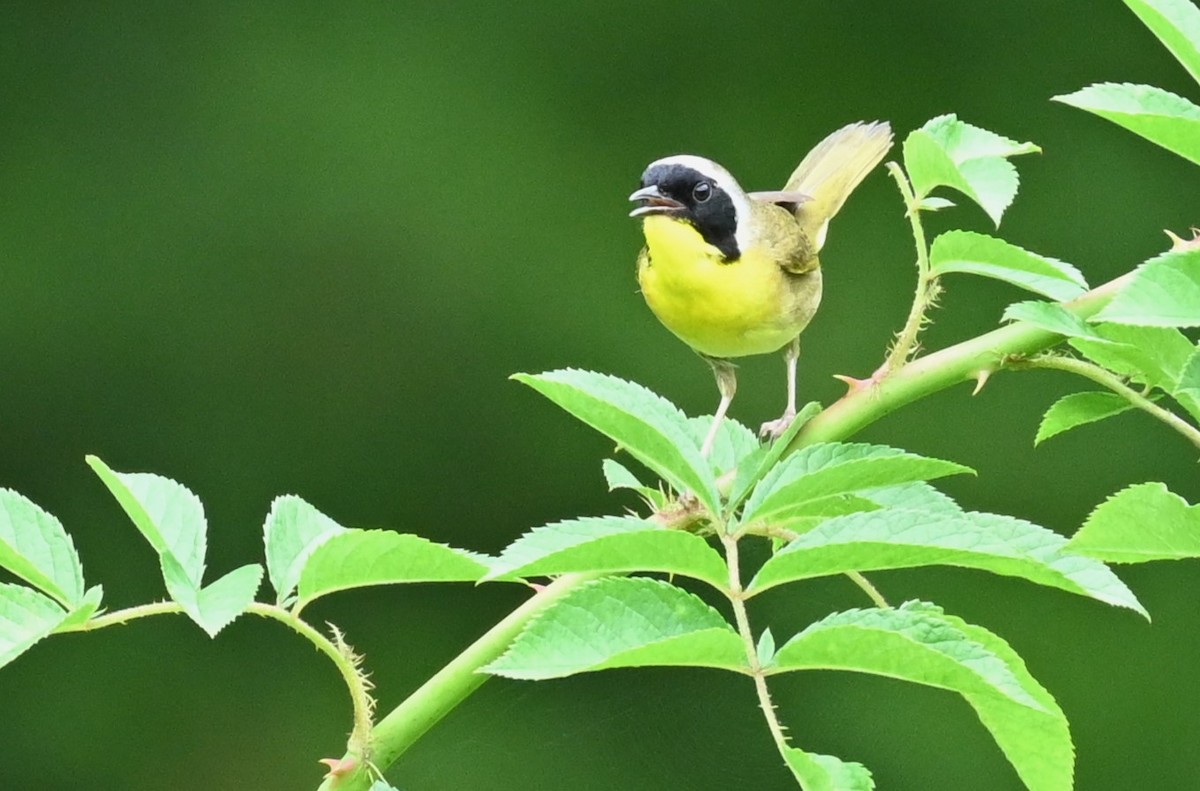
x=654, y=202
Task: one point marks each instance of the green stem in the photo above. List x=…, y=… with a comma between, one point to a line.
x=118, y=617
x=871, y=591
x=356, y=682
x=742, y=619
x=1114, y=383
x=974, y=359
x=451, y=685
x=906, y=341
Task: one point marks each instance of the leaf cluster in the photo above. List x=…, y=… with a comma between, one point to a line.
x=830, y=508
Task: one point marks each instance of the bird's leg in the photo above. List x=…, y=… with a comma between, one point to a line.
x=774, y=429
x=726, y=374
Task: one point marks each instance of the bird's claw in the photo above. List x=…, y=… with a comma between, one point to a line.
x=774, y=429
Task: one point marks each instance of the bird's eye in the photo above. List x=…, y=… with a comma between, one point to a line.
x=702, y=192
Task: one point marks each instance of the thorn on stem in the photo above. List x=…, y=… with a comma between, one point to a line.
x=852, y=385
x=981, y=377
x=1179, y=244
x=339, y=767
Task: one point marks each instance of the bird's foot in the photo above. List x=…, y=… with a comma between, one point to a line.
x=774, y=429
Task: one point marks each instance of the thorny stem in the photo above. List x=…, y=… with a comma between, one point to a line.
x=1114, y=383
x=970, y=360
x=421, y=710
x=355, y=681
x=738, y=600
x=118, y=617
x=906, y=341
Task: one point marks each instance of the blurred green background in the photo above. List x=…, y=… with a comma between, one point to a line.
x=298, y=247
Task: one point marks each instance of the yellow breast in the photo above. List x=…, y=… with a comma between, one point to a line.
x=746, y=306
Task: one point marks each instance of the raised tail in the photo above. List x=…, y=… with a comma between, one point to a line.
x=833, y=169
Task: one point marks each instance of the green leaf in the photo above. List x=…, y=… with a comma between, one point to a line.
x=381, y=785
x=826, y=773
x=1141, y=523
x=911, y=642
x=291, y=533
x=1052, y=317
x=166, y=512
x=1186, y=389
x=172, y=520
x=979, y=254
x=755, y=466
x=216, y=606
x=1159, y=116
x=1077, y=409
x=617, y=476
x=26, y=616
x=1177, y=25
x=1156, y=356
x=949, y=153
x=733, y=443
x=83, y=612
x=35, y=547
x=359, y=558
x=622, y=622
x=646, y=425
x=1037, y=742
x=833, y=468
x=228, y=597
x=805, y=515
x=1164, y=291
x=893, y=539
x=610, y=544
x=935, y=204
x=765, y=650
x=918, y=496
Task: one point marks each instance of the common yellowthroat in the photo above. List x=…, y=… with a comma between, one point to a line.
x=733, y=273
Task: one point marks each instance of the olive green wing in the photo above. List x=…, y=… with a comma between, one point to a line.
x=831, y=171
x=782, y=238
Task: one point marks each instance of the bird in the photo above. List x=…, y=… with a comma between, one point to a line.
x=734, y=273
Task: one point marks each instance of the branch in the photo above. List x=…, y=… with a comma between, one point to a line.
x=121, y=617
x=740, y=616
x=450, y=686
x=1107, y=379
x=872, y=592
x=966, y=361
x=356, y=683
x=906, y=340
